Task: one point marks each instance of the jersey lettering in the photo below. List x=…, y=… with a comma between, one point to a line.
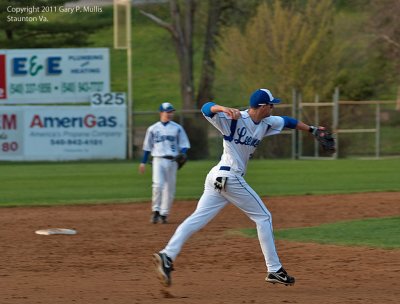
x=160, y=138
x=242, y=139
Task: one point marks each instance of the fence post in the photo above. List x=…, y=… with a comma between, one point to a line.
x=294, y=141
x=316, y=122
x=181, y=118
x=335, y=122
x=300, y=134
x=378, y=129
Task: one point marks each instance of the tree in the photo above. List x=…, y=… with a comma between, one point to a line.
x=283, y=47
x=205, y=92
x=181, y=29
x=385, y=25
x=182, y=26
x=30, y=34
x=220, y=14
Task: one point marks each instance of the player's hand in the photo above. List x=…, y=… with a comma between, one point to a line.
x=325, y=138
x=142, y=168
x=232, y=112
x=314, y=129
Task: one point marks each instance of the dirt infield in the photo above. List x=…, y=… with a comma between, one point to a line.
x=109, y=260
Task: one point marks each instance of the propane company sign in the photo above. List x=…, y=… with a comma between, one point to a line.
x=32, y=76
x=62, y=133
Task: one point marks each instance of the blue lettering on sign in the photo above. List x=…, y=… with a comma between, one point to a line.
x=28, y=65
x=53, y=65
x=160, y=138
x=18, y=66
x=242, y=139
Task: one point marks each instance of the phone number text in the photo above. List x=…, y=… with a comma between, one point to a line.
x=76, y=142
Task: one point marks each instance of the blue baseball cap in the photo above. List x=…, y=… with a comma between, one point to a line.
x=262, y=97
x=166, y=107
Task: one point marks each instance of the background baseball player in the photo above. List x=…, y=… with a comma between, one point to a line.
x=167, y=142
x=242, y=132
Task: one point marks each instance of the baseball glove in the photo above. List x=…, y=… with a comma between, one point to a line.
x=181, y=159
x=325, y=139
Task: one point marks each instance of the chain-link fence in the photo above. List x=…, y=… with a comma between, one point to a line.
x=363, y=129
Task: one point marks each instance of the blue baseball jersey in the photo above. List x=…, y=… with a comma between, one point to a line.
x=165, y=139
x=242, y=136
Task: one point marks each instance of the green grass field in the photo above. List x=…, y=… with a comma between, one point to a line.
x=381, y=233
x=85, y=182
x=39, y=183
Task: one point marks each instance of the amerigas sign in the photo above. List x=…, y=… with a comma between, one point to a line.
x=62, y=133
x=53, y=75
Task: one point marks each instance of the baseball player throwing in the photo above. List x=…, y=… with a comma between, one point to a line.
x=165, y=140
x=242, y=132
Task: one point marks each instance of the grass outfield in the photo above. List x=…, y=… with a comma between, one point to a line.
x=381, y=233
x=118, y=181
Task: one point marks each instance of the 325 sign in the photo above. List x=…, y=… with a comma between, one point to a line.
x=100, y=99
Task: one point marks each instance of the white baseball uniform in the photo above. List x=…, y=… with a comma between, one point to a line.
x=165, y=141
x=241, y=138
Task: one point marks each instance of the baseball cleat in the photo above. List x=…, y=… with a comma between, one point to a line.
x=164, y=266
x=280, y=277
x=155, y=217
x=164, y=219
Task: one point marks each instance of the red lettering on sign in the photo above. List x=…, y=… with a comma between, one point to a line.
x=36, y=122
x=90, y=120
x=8, y=122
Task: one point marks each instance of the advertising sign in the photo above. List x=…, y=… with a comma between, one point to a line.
x=62, y=133
x=11, y=143
x=3, y=86
x=32, y=76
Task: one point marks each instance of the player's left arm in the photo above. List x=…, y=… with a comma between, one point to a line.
x=292, y=123
x=183, y=145
x=325, y=138
x=183, y=140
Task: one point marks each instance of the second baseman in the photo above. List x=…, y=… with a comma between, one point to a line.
x=164, y=140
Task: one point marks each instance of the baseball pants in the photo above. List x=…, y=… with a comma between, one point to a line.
x=164, y=184
x=239, y=193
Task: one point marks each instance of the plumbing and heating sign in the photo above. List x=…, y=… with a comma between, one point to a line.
x=31, y=76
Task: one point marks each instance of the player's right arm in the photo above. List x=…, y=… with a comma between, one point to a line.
x=211, y=108
x=147, y=146
x=222, y=118
x=142, y=166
